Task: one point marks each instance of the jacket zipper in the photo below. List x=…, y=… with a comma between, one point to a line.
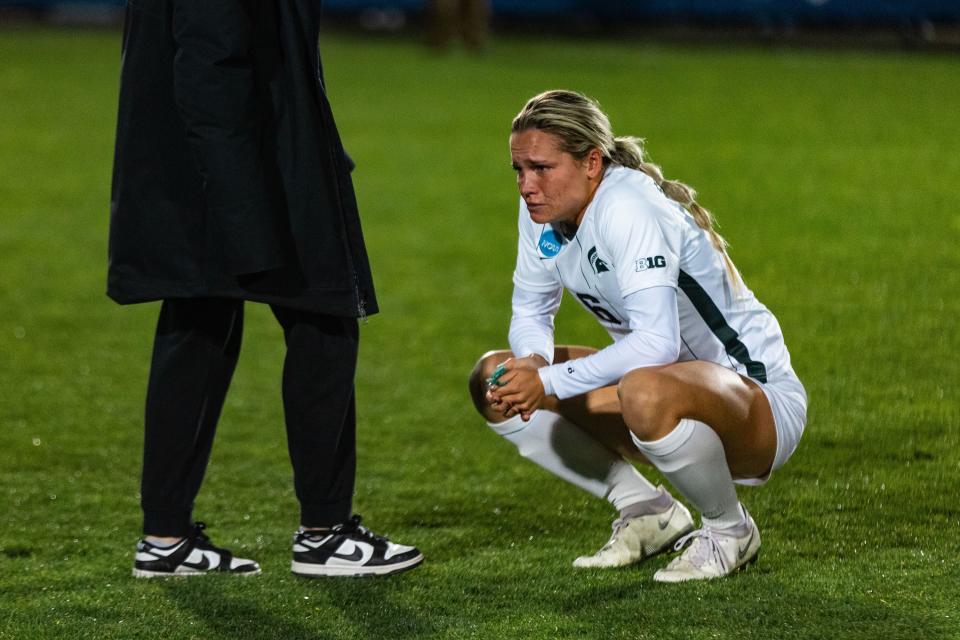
x=361, y=303
x=326, y=113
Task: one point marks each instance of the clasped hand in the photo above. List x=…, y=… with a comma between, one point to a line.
x=519, y=390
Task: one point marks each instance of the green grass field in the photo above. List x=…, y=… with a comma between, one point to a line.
x=835, y=177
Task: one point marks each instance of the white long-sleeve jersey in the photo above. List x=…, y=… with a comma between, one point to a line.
x=641, y=265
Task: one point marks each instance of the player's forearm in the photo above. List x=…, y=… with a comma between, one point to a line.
x=607, y=366
x=531, y=326
x=654, y=340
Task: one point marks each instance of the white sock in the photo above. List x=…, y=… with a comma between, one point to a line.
x=565, y=450
x=161, y=544
x=693, y=460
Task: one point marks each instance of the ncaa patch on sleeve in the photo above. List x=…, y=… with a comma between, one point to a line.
x=550, y=243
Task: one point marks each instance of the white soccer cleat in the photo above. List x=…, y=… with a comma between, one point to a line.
x=635, y=539
x=713, y=553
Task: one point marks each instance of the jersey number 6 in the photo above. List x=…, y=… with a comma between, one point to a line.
x=598, y=309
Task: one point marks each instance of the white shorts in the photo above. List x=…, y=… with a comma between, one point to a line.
x=788, y=401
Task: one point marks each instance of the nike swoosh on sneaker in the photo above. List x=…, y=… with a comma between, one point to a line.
x=203, y=565
x=352, y=557
x=742, y=552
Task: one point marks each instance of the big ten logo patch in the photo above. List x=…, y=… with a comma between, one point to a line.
x=652, y=262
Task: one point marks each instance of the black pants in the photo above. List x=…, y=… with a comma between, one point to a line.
x=195, y=352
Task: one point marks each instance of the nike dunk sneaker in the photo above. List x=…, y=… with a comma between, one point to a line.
x=640, y=537
x=350, y=550
x=713, y=553
x=195, y=555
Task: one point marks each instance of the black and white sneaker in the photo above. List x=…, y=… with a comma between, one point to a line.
x=195, y=555
x=351, y=550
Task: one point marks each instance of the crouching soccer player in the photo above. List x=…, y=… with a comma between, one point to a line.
x=697, y=381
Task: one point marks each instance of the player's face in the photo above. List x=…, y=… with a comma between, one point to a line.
x=555, y=186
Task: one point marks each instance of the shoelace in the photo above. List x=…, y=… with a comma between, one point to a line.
x=707, y=544
x=198, y=533
x=617, y=525
x=353, y=526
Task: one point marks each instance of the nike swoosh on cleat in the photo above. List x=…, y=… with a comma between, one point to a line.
x=664, y=523
x=742, y=552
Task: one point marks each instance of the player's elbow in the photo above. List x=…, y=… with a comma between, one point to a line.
x=669, y=351
x=660, y=350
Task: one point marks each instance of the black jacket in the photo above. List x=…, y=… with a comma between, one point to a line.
x=229, y=177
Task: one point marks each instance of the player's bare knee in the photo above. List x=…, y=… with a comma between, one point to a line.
x=478, y=380
x=477, y=386
x=644, y=402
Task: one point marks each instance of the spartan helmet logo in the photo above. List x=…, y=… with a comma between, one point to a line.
x=598, y=265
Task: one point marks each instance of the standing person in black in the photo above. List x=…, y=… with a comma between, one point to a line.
x=231, y=184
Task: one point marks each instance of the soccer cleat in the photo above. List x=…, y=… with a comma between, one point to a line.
x=713, y=553
x=195, y=555
x=350, y=550
x=640, y=537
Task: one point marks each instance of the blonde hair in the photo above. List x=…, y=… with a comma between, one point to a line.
x=580, y=125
